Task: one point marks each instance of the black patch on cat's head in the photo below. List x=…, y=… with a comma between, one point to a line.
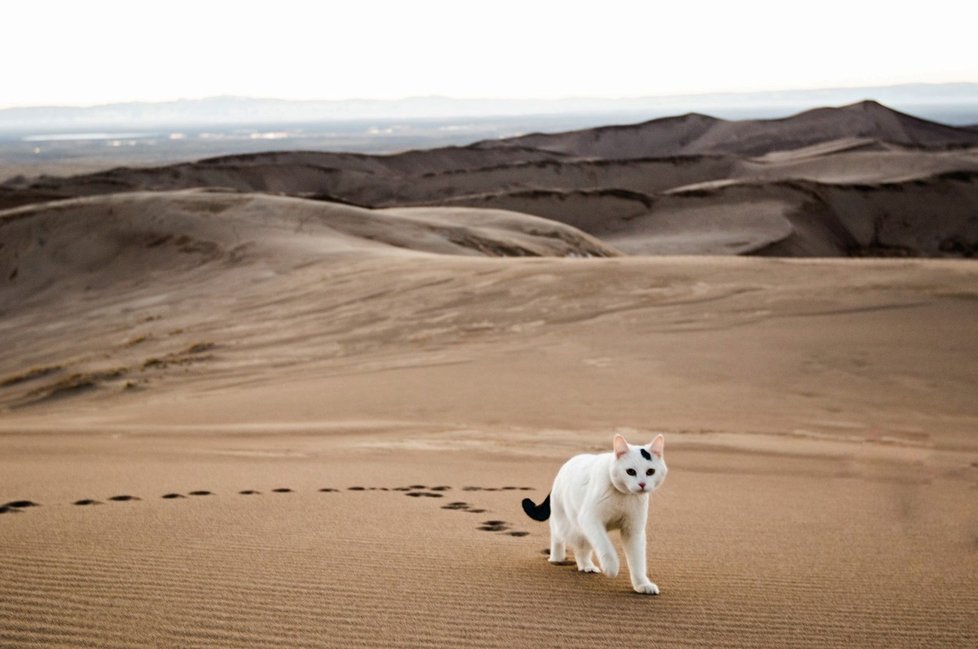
x=646, y=455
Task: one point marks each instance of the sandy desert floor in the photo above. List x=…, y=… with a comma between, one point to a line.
x=820, y=419
x=238, y=408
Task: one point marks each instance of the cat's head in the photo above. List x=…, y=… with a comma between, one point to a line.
x=638, y=469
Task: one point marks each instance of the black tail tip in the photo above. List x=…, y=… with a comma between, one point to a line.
x=539, y=512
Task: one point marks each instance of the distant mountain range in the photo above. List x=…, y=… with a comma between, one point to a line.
x=955, y=103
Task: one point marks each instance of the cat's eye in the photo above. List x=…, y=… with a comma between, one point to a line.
x=630, y=471
x=650, y=472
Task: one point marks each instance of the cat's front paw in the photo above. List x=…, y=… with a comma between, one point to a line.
x=647, y=588
x=589, y=568
x=609, y=564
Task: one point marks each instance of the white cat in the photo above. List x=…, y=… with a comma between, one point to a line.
x=593, y=494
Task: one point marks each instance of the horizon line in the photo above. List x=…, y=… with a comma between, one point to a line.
x=513, y=98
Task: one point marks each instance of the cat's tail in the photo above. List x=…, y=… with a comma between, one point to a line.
x=539, y=512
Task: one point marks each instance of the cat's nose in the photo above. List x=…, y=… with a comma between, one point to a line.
x=641, y=486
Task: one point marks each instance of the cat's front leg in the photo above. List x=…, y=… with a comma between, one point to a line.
x=597, y=535
x=634, y=542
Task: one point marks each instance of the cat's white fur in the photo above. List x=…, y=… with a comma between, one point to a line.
x=594, y=494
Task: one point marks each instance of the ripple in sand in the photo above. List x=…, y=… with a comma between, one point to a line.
x=282, y=490
x=329, y=490
x=123, y=498
x=249, y=492
x=168, y=496
x=86, y=501
x=200, y=493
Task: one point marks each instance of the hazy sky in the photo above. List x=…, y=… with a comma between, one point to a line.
x=100, y=51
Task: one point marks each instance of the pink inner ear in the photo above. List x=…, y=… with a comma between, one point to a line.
x=658, y=445
x=621, y=446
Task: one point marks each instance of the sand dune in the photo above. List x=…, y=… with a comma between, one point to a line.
x=694, y=134
x=822, y=164
x=106, y=241
x=820, y=422
x=793, y=196
x=295, y=172
x=243, y=417
x=704, y=204
x=428, y=175
x=352, y=303
x=932, y=216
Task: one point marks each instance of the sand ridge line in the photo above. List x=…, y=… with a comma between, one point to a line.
x=415, y=491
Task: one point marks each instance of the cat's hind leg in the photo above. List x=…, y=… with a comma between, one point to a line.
x=583, y=555
x=558, y=549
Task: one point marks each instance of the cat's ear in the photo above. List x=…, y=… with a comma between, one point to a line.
x=658, y=446
x=621, y=446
